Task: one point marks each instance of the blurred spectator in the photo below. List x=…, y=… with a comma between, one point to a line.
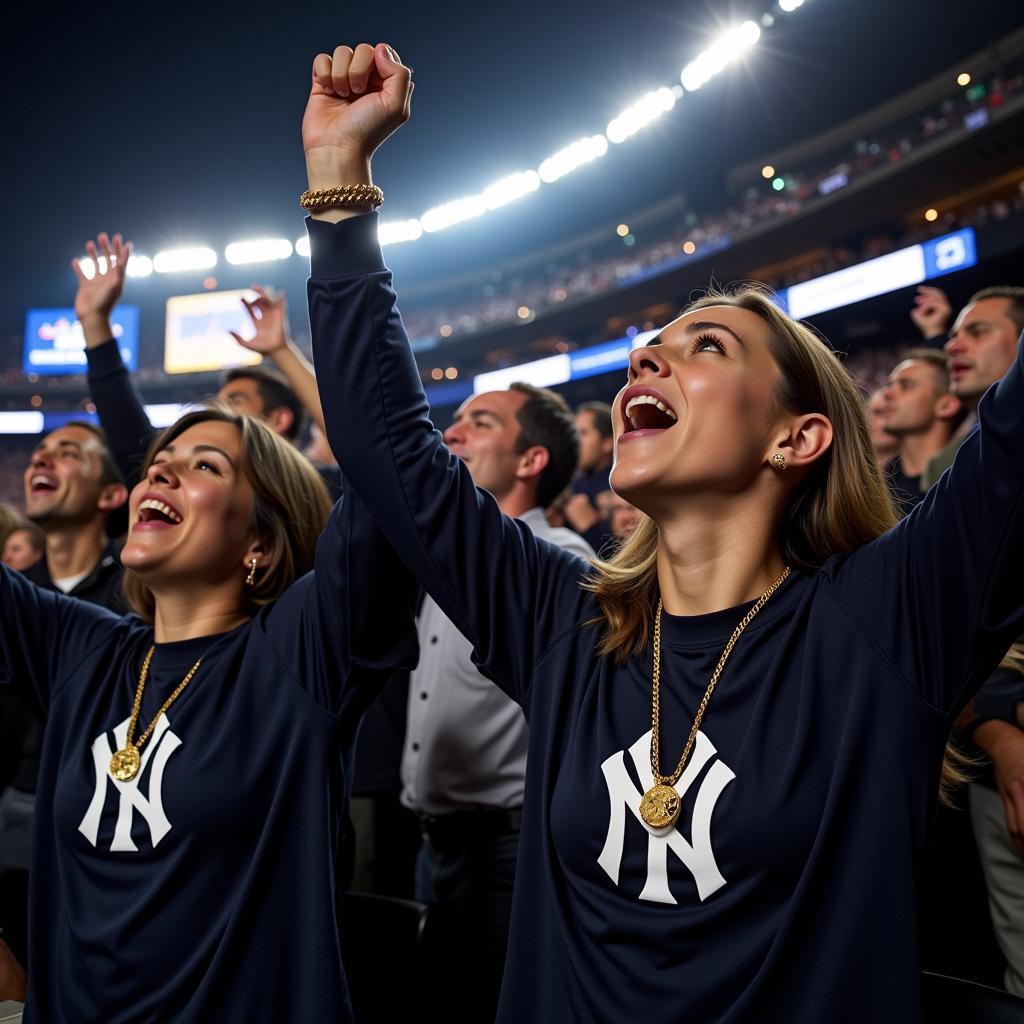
x=23, y=547
x=10, y=519
x=886, y=444
x=921, y=413
x=624, y=518
x=582, y=510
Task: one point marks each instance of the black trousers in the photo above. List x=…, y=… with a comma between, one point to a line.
x=466, y=872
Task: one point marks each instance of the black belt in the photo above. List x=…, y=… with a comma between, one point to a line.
x=462, y=827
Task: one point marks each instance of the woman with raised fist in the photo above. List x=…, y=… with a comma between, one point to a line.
x=737, y=723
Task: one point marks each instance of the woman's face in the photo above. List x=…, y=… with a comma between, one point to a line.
x=189, y=515
x=19, y=552
x=713, y=377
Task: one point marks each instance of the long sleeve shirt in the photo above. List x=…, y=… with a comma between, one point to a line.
x=466, y=740
x=203, y=889
x=788, y=889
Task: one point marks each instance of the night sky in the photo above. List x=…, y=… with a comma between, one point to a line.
x=179, y=123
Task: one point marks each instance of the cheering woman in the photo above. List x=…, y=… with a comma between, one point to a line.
x=194, y=770
x=737, y=724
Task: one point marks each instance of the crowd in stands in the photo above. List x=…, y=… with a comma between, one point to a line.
x=211, y=639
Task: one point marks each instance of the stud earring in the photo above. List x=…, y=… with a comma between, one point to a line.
x=779, y=460
x=250, y=580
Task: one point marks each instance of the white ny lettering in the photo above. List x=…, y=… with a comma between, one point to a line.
x=697, y=856
x=161, y=745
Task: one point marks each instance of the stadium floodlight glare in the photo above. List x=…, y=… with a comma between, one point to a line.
x=507, y=190
x=647, y=109
x=391, y=231
x=302, y=246
x=575, y=155
x=455, y=212
x=173, y=261
x=139, y=266
x=260, y=250
x=729, y=46
x=790, y=5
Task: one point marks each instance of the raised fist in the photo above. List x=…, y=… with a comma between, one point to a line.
x=358, y=98
x=932, y=312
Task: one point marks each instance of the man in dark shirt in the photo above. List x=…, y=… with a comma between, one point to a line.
x=922, y=414
x=72, y=491
x=590, y=488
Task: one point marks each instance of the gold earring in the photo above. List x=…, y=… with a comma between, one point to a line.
x=779, y=460
x=250, y=580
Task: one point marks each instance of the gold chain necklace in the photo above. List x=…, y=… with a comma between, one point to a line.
x=124, y=765
x=661, y=805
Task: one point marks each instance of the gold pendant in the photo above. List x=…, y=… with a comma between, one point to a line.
x=660, y=806
x=124, y=765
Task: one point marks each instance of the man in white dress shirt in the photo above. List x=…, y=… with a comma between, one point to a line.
x=464, y=762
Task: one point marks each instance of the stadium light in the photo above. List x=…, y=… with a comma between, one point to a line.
x=455, y=212
x=260, y=250
x=647, y=109
x=302, y=246
x=393, y=231
x=790, y=5
x=509, y=189
x=572, y=156
x=139, y=266
x=173, y=261
x=729, y=46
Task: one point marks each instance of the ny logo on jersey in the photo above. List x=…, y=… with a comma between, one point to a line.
x=155, y=753
x=697, y=855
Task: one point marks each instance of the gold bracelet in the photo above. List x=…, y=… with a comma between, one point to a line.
x=342, y=195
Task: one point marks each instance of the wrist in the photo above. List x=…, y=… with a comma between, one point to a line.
x=330, y=166
x=96, y=329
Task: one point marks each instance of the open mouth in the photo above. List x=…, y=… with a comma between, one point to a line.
x=41, y=484
x=152, y=511
x=643, y=409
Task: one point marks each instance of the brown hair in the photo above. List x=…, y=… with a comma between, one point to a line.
x=545, y=419
x=1013, y=295
x=937, y=360
x=842, y=503
x=289, y=509
x=274, y=392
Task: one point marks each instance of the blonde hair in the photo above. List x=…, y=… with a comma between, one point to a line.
x=289, y=509
x=841, y=504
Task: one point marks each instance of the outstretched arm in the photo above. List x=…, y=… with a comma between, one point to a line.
x=43, y=638
x=118, y=403
x=508, y=592
x=942, y=592
x=269, y=315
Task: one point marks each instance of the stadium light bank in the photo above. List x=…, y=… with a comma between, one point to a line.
x=730, y=46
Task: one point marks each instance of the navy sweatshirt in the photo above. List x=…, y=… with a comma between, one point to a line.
x=204, y=889
x=789, y=889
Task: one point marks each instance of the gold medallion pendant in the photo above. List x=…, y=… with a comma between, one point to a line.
x=124, y=765
x=660, y=806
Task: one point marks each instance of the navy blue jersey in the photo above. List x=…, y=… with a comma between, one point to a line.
x=789, y=889
x=203, y=889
